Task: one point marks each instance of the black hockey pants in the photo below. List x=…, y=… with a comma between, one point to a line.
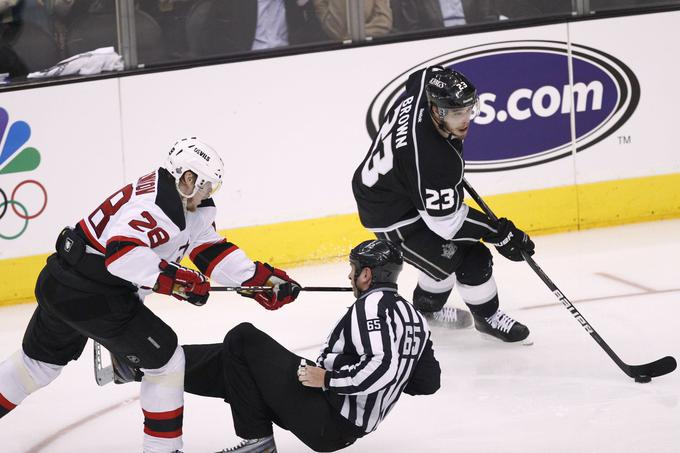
x=258, y=378
x=72, y=308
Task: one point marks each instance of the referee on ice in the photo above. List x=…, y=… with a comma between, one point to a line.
x=380, y=348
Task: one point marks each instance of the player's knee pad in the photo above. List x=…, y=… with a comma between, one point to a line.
x=41, y=373
x=428, y=302
x=431, y=285
x=175, y=364
x=478, y=294
x=476, y=267
x=21, y=375
x=162, y=394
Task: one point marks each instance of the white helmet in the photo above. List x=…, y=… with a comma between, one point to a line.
x=192, y=154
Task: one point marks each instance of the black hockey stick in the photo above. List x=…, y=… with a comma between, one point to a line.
x=641, y=373
x=268, y=288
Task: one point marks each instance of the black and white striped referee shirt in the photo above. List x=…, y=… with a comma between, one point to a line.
x=379, y=349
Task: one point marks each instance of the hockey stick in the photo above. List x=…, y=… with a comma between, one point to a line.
x=105, y=374
x=641, y=373
x=268, y=288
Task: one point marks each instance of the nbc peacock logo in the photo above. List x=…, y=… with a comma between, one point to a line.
x=17, y=157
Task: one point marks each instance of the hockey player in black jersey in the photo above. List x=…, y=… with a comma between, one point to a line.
x=409, y=189
x=378, y=349
x=129, y=246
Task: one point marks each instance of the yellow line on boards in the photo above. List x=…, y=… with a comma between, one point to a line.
x=542, y=211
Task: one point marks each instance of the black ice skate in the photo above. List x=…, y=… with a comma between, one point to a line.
x=262, y=445
x=449, y=317
x=503, y=327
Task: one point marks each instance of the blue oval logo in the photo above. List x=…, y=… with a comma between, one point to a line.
x=529, y=97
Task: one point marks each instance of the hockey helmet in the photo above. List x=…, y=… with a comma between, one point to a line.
x=383, y=257
x=447, y=89
x=192, y=154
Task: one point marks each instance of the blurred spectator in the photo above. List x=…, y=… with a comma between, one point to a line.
x=93, y=24
x=332, y=15
x=10, y=26
x=232, y=26
x=51, y=16
x=411, y=15
x=171, y=16
x=554, y=7
x=11, y=19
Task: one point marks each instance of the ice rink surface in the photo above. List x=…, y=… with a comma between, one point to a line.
x=563, y=394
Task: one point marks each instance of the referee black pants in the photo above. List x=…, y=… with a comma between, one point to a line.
x=258, y=378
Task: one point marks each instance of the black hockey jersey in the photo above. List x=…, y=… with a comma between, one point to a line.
x=411, y=171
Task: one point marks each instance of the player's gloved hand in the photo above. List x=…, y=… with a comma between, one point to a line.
x=284, y=289
x=182, y=283
x=510, y=241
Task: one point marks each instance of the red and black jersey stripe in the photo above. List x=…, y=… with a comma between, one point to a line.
x=118, y=246
x=90, y=240
x=167, y=425
x=5, y=406
x=207, y=256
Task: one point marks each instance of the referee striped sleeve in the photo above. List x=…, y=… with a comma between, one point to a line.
x=379, y=358
x=372, y=354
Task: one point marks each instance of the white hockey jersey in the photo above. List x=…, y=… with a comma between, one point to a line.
x=145, y=222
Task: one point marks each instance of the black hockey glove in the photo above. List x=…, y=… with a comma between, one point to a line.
x=510, y=241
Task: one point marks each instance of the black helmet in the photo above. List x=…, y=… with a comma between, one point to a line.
x=448, y=89
x=384, y=259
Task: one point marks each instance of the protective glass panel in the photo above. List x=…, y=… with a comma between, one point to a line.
x=183, y=30
x=421, y=15
x=608, y=5
x=35, y=35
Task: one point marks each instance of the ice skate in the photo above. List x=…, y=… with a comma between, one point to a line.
x=502, y=326
x=262, y=445
x=450, y=318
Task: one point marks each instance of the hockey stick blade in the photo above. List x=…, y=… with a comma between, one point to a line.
x=654, y=369
x=268, y=288
x=647, y=371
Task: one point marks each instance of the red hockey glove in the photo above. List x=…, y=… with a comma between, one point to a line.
x=510, y=241
x=182, y=283
x=284, y=289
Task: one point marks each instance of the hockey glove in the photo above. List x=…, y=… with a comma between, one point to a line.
x=510, y=241
x=284, y=289
x=182, y=283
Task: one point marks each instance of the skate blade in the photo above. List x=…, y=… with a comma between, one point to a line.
x=528, y=341
x=464, y=321
x=449, y=325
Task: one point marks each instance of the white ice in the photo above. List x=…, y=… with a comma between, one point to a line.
x=563, y=394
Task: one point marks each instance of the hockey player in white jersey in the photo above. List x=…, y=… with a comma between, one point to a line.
x=129, y=246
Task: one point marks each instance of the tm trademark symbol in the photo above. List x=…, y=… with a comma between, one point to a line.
x=624, y=140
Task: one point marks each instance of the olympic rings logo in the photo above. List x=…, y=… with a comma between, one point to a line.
x=18, y=206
